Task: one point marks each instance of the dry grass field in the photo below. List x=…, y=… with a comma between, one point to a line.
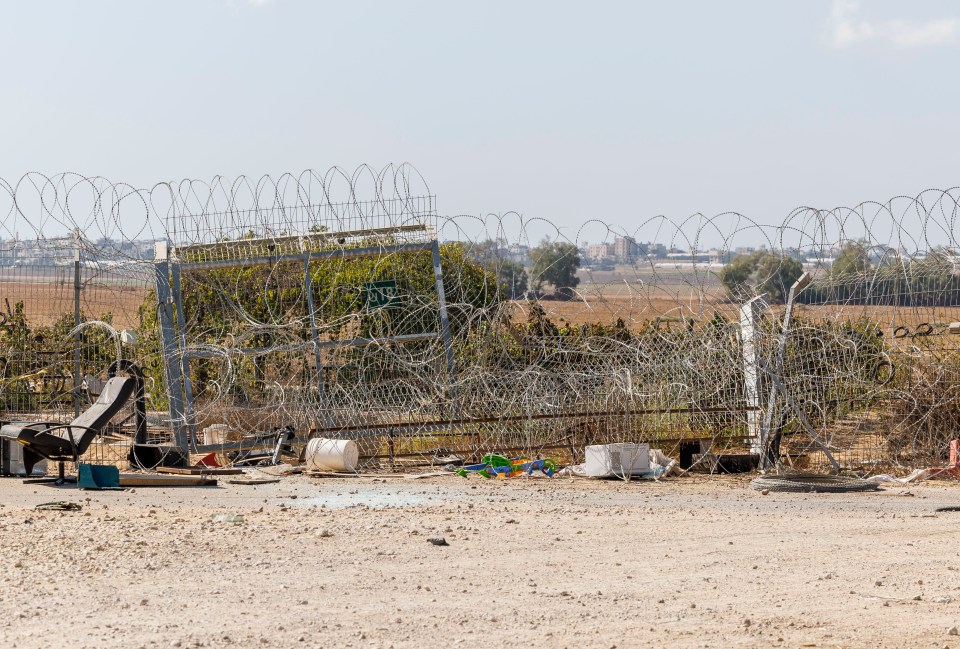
x=635, y=310
x=634, y=299
x=44, y=302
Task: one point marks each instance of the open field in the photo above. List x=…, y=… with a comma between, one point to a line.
x=44, y=302
x=638, y=305
x=690, y=562
x=636, y=299
x=634, y=310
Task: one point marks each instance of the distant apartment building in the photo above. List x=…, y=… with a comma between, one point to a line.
x=626, y=249
x=58, y=250
x=600, y=251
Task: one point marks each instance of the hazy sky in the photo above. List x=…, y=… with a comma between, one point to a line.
x=566, y=111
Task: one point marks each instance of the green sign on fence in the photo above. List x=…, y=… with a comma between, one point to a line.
x=382, y=294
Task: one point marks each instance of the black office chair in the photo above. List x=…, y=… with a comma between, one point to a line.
x=67, y=442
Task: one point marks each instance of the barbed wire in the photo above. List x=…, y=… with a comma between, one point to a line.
x=282, y=322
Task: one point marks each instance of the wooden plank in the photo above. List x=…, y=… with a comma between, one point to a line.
x=148, y=480
x=198, y=470
x=279, y=469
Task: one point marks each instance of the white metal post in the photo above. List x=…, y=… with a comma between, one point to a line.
x=748, y=320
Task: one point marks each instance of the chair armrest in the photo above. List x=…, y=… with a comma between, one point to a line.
x=70, y=427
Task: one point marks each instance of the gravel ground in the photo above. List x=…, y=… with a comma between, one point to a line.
x=689, y=562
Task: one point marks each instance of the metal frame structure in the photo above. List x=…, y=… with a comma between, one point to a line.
x=171, y=261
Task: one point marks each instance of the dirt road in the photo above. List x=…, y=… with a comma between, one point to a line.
x=692, y=562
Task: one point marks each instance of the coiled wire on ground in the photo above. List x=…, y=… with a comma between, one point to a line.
x=807, y=482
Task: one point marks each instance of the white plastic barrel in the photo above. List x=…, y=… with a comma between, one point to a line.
x=331, y=454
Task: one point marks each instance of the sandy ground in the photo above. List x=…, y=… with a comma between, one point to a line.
x=691, y=562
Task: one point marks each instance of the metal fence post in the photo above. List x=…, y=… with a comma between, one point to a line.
x=190, y=418
x=769, y=455
x=444, y=318
x=748, y=320
x=171, y=363
x=318, y=355
x=77, y=285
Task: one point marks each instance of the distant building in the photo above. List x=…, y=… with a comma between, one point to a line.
x=717, y=256
x=655, y=250
x=626, y=249
x=690, y=257
x=600, y=251
x=519, y=253
x=813, y=263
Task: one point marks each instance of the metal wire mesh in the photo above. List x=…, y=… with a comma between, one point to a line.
x=342, y=304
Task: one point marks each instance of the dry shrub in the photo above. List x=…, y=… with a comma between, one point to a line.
x=924, y=414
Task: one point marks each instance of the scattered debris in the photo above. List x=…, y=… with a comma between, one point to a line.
x=146, y=480
x=198, y=470
x=952, y=470
x=59, y=506
x=254, y=447
x=280, y=469
x=499, y=466
x=227, y=518
x=253, y=481
x=659, y=465
x=617, y=460
x=98, y=477
x=210, y=460
x=918, y=475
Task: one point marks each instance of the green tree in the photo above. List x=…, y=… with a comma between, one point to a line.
x=511, y=275
x=556, y=263
x=776, y=274
x=849, y=273
x=853, y=260
x=760, y=272
x=931, y=278
x=737, y=275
